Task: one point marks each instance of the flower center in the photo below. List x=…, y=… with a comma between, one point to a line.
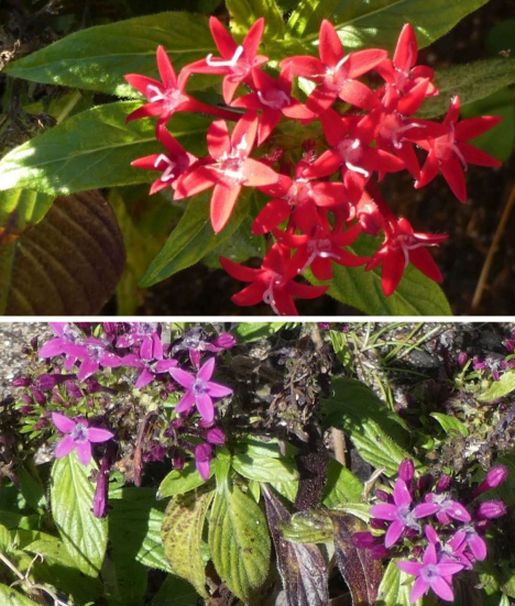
x=429, y=572
x=351, y=151
x=199, y=387
x=274, y=98
x=171, y=97
x=80, y=433
x=300, y=191
x=169, y=169
x=230, y=164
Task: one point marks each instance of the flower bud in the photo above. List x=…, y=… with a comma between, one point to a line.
x=443, y=483
x=21, y=381
x=462, y=359
x=406, y=470
x=491, y=509
x=495, y=477
x=225, y=341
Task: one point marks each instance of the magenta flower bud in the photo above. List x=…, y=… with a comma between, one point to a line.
x=462, y=359
x=490, y=510
x=495, y=477
x=443, y=483
x=363, y=540
x=406, y=470
x=26, y=410
x=100, y=498
x=21, y=381
x=215, y=436
x=382, y=495
x=177, y=461
x=225, y=340
x=38, y=396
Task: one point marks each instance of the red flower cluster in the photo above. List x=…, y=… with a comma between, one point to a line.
x=323, y=196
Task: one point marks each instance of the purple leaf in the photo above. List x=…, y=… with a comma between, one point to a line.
x=301, y=566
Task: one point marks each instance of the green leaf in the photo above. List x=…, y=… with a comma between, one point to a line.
x=151, y=552
x=11, y=597
x=264, y=469
x=182, y=529
x=71, y=495
x=175, y=591
x=192, y=239
x=98, y=57
x=471, y=81
x=92, y=149
x=21, y=208
x=451, y=425
x=252, y=331
x=395, y=587
x=415, y=295
x=342, y=486
x=376, y=432
x=245, y=12
x=311, y=526
x=180, y=481
x=239, y=542
x=377, y=23
x=498, y=389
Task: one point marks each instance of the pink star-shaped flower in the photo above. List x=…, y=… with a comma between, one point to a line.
x=78, y=436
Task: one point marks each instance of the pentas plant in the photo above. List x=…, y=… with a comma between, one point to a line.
x=93, y=366
x=440, y=529
x=319, y=197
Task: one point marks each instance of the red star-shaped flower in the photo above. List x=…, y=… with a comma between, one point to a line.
x=169, y=96
x=236, y=61
x=171, y=165
x=402, y=246
x=335, y=72
x=273, y=283
x=449, y=149
x=229, y=170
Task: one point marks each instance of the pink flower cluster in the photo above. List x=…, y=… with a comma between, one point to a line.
x=320, y=196
x=450, y=540
x=100, y=359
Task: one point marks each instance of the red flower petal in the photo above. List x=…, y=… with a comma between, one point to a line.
x=223, y=40
x=361, y=62
x=473, y=127
x=222, y=204
x=330, y=47
x=271, y=215
x=258, y=174
x=165, y=68
x=358, y=94
x=473, y=155
x=406, y=50
x=218, y=139
x=452, y=171
x=253, y=38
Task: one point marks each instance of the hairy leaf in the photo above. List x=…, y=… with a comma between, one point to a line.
x=362, y=574
x=376, y=432
x=377, y=23
x=471, y=81
x=71, y=495
x=239, y=542
x=151, y=552
x=265, y=469
x=310, y=526
x=302, y=567
x=93, y=149
x=341, y=486
x=97, y=58
x=498, y=389
x=183, y=523
x=69, y=263
x=245, y=12
x=394, y=589
x=180, y=481
x=12, y=597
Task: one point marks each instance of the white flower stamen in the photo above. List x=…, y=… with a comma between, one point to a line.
x=214, y=62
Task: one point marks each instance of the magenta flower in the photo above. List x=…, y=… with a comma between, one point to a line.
x=447, y=508
x=431, y=573
x=400, y=513
x=79, y=436
x=200, y=391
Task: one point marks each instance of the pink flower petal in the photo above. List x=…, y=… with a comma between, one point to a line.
x=184, y=378
x=442, y=589
x=401, y=494
x=83, y=452
x=207, y=369
x=393, y=534
x=63, y=423
x=64, y=447
x=205, y=407
x=419, y=588
x=95, y=434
